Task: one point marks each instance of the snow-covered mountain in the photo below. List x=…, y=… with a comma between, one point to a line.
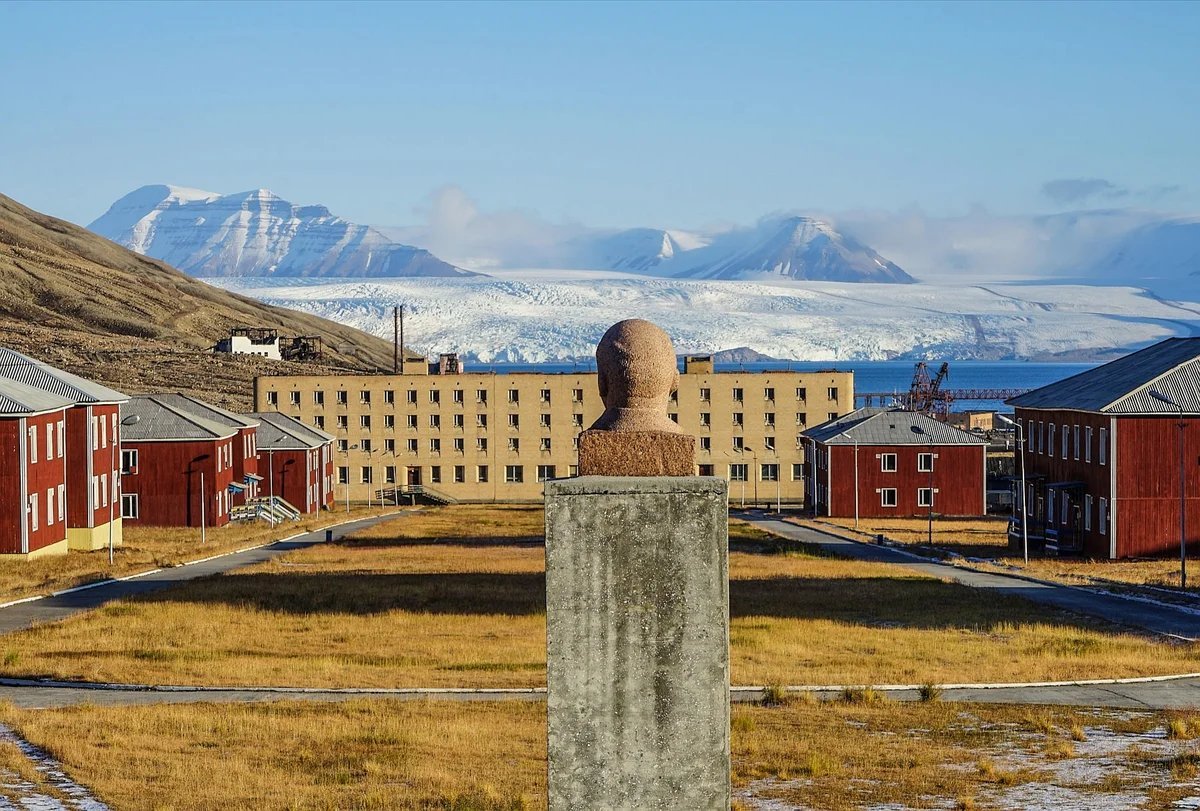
x=634, y=249
x=532, y=316
x=1163, y=257
x=257, y=233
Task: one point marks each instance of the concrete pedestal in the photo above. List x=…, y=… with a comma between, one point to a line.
x=637, y=625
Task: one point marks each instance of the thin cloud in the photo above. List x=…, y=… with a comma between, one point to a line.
x=1081, y=189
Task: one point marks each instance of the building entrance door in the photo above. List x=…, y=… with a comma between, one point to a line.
x=414, y=476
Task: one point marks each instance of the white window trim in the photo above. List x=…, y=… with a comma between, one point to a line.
x=883, y=462
x=883, y=497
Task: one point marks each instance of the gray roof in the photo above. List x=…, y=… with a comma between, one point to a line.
x=158, y=419
x=281, y=432
x=890, y=426
x=209, y=411
x=32, y=372
x=18, y=399
x=1123, y=386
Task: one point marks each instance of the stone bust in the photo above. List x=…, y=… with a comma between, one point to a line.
x=636, y=372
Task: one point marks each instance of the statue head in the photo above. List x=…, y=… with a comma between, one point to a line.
x=636, y=372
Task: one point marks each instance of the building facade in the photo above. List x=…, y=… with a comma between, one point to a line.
x=1102, y=456
x=297, y=461
x=180, y=466
x=246, y=483
x=33, y=471
x=93, y=437
x=495, y=437
x=890, y=463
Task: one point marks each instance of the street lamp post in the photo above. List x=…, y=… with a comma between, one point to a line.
x=132, y=419
x=349, y=448
x=1162, y=398
x=916, y=429
x=1024, y=492
x=855, y=440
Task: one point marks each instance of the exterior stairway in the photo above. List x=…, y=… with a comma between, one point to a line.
x=273, y=511
x=418, y=492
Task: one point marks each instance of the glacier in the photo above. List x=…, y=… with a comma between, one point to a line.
x=537, y=316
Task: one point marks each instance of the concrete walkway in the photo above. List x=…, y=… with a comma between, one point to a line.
x=24, y=615
x=1157, y=618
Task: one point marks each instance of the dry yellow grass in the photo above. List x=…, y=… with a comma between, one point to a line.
x=988, y=538
x=455, y=597
x=150, y=548
x=451, y=755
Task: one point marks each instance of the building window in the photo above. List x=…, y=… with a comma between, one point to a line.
x=802, y=393
x=435, y=474
x=705, y=418
x=769, y=443
x=389, y=474
x=832, y=415
x=514, y=396
x=832, y=393
x=544, y=420
x=458, y=421
x=706, y=443
x=887, y=462
x=514, y=474
x=435, y=445
x=343, y=475
x=1050, y=506
x=481, y=444
x=924, y=462
x=481, y=421
x=1050, y=441
x=1076, y=443
x=389, y=421
x=366, y=445
x=738, y=443
x=705, y=395
x=364, y=422
x=435, y=421
x=481, y=397
x=544, y=397
x=459, y=445
x=364, y=397
x=343, y=446
x=129, y=461
x=411, y=446
x=514, y=444
x=458, y=396
x=887, y=497
x=514, y=420
x=389, y=397
x=577, y=420
x=481, y=473
x=737, y=418
x=435, y=396
x=769, y=394
x=738, y=473
x=411, y=420
x=704, y=470
x=294, y=398
x=1087, y=513
x=770, y=473
x=1087, y=448
x=797, y=472
x=341, y=397
x=545, y=472
x=577, y=395
x=1066, y=440
x=1103, y=518
x=1066, y=504
x=343, y=422
x=545, y=444
x=737, y=395
x=129, y=505
x=366, y=474
x=769, y=419
x=319, y=422
x=1103, y=451
x=389, y=446
x=801, y=419
x=924, y=497
x=410, y=396
x=460, y=474
x=273, y=398
x=1041, y=437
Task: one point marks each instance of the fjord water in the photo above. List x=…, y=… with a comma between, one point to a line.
x=887, y=376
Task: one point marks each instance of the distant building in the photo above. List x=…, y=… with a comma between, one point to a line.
x=972, y=420
x=180, y=465
x=890, y=463
x=297, y=461
x=1102, y=455
x=33, y=471
x=251, y=341
x=92, y=442
x=484, y=436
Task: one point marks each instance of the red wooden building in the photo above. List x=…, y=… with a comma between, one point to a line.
x=246, y=482
x=179, y=466
x=1102, y=456
x=93, y=429
x=889, y=463
x=297, y=460
x=33, y=471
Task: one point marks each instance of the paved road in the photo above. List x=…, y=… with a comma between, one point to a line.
x=1158, y=618
x=24, y=615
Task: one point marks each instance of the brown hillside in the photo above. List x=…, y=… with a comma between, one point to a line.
x=87, y=305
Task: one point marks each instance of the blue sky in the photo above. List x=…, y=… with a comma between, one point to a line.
x=610, y=114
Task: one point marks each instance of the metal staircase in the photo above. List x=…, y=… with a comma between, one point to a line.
x=273, y=511
x=417, y=492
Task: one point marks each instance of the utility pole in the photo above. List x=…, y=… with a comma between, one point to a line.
x=395, y=340
x=1162, y=398
x=400, y=336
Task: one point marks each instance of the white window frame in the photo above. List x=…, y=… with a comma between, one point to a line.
x=1076, y=438
x=922, y=458
x=924, y=497
x=1103, y=517
x=1103, y=452
x=33, y=512
x=62, y=501
x=49, y=506
x=883, y=463
x=1087, y=449
x=1066, y=440
x=50, y=442
x=1087, y=513
x=884, y=493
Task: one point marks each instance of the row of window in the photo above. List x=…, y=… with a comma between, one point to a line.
x=51, y=517
x=545, y=445
x=1061, y=512
x=458, y=396
x=1072, y=438
x=458, y=421
x=52, y=429
x=100, y=431
x=514, y=474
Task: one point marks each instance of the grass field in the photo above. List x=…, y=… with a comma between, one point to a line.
x=475, y=756
x=988, y=538
x=150, y=548
x=455, y=597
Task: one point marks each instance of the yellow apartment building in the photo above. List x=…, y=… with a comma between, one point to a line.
x=495, y=437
